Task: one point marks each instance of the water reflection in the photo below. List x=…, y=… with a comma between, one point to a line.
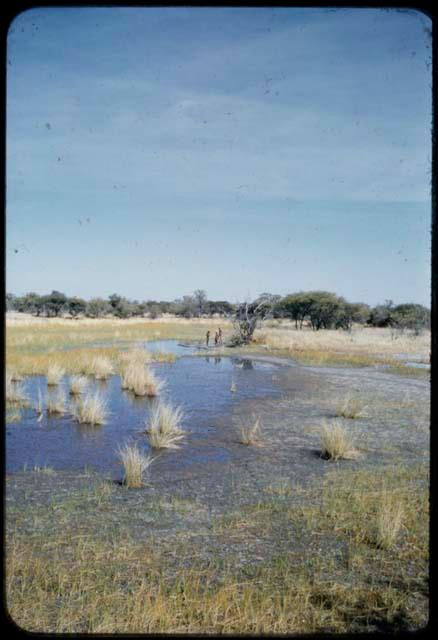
x=242, y=363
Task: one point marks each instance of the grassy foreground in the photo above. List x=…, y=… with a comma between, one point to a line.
x=73, y=565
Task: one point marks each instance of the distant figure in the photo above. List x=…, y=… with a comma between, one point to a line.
x=207, y=338
x=219, y=334
x=216, y=339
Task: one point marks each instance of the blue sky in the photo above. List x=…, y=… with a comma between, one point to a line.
x=151, y=152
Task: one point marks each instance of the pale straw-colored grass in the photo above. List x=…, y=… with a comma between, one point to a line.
x=164, y=430
x=135, y=464
x=141, y=380
x=101, y=368
x=389, y=521
x=336, y=443
x=250, y=434
x=91, y=409
x=15, y=393
x=55, y=374
x=360, y=341
x=15, y=376
x=39, y=407
x=351, y=407
x=56, y=403
x=78, y=384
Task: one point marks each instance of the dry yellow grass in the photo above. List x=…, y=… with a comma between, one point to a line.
x=100, y=367
x=389, y=520
x=91, y=409
x=336, y=443
x=55, y=373
x=250, y=435
x=135, y=464
x=360, y=347
x=14, y=392
x=56, y=403
x=140, y=379
x=351, y=407
x=78, y=384
x=164, y=430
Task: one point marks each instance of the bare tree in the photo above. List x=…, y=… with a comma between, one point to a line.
x=201, y=298
x=248, y=316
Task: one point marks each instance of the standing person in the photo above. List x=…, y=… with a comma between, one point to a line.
x=216, y=339
x=207, y=338
x=219, y=333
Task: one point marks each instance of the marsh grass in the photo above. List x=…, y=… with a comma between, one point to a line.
x=250, y=435
x=141, y=380
x=15, y=376
x=135, y=465
x=101, y=368
x=56, y=403
x=351, y=408
x=55, y=373
x=47, y=470
x=164, y=430
x=91, y=409
x=13, y=414
x=78, y=384
x=15, y=393
x=336, y=443
x=39, y=407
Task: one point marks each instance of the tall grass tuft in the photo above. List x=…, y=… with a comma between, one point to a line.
x=56, y=403
x=351, y=408
x=101, y=368
x=140, y=380
x=164, y=430
x=336, y=443
x=91, y=409
x=389, y=521
x=77, y=385
x=55, y=374
x=135, y=464
x=250, y=434
x=15, y=394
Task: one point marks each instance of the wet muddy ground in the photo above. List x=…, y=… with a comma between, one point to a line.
x=212, y=469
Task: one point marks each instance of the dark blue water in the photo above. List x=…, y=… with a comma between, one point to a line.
x=199, y=385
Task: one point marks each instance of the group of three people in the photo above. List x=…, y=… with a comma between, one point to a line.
x=217, y=337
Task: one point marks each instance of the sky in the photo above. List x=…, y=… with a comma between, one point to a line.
x=154, y=151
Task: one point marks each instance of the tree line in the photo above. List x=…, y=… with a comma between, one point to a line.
x=317, y=309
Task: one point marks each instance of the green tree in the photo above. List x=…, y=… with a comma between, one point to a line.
x=97, y=307
x=382, y=315
x=324, y=310
x=297, y=307
x=411, y=316
x=30, y=303
x=54, y=303
x=76, y=306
